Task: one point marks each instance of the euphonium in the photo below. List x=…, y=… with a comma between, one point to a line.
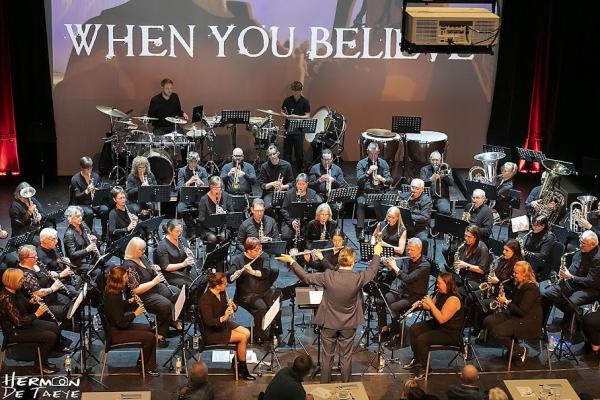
x=578, y=210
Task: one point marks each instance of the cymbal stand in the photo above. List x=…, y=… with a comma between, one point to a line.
x=210, y=165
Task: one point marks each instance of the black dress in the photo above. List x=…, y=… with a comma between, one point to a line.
x=392, y=233
x=167, y=253
x=211, y=309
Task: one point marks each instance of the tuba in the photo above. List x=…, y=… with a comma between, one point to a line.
x=579, y=209
x=487, y=173
x=551, y=194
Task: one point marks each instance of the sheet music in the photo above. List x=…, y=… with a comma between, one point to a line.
x=270, y=315
x=315, y=296
x=179, y=304
x=77, y=302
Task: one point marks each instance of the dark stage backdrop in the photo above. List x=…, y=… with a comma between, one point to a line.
x=243, y=55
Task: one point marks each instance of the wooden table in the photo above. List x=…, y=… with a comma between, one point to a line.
x=519, y=388
x=330, y=391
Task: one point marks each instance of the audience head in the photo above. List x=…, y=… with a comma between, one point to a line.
x=302, y=365
x=198, y=373
x=469, y=375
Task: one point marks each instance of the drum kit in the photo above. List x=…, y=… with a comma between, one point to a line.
x=331, y=127
x=264, y=129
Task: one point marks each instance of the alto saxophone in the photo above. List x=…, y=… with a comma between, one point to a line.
x=495, y=305
x=323, y=232
x=487, y=288
x=456, y=258
x=557, y=279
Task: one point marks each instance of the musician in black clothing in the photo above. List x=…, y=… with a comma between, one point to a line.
x=538, y=245
x=26, y=212
x=140, y=175
x=80, y=244
x=391, y=232
x=121, y=221
x=412, y=286
x=532, y=204
x=580, y=282
x=522, y=317
x=480, y=214
x=504, y=184
x=445, y=328
x=320, y=261
x=420, y=206
x=82, y=189
x=259, y=225
x=296, y=106
x=165, y=104
x=20, y=325
x=373, y=175
x=158, y=298
x=237, y=175
x=49, y=252
x=301, y=193
x=254, y=278
x=503, y=267
x=215, y=311
x=473, y=257
x=172, y=256
x=120, y=314
x=323, y=225
x=216, y=201
x=326, y=175
x=439, y=182
x=274, y=174
x=192, y=174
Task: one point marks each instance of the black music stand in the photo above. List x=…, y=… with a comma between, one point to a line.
x=342, y=196
x=319, y=244
x=242, y=202
x=563, y=235
x=55, y=217
x=450, y=225
x=366, y=252
x=217, y=221
x=402, y=125
x=17, y=241
x=495, y=246
x=490, y=190
x=529, y=155
x=149, y=226
x=233, y=118
x=192, y=194
x=300, y=126
x=409, y=223
x=274, y=248
x=119, y=245
x=304, y=211
x=277, y=200
x=154, y=194
x=216, y=256
x=102, y=197
x=233, y=220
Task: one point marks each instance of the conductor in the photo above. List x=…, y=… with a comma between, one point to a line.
x=341, y=309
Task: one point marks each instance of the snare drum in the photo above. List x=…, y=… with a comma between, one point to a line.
x=421, y=145
x=161, y=165
x=388, y=147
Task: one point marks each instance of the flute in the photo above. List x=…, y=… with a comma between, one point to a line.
x=230, y=304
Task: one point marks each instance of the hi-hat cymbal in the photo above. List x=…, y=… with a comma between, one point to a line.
x=175, y=120
x=378, y=132
x=270, y=112
x=113, y=112
x=146, y=118
x=126, y=122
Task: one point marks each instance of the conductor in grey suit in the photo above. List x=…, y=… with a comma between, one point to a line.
x=341, y=309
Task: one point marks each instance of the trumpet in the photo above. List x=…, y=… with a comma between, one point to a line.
x=308, y=252
x=230, y=304
x=38, y=300
x=328, y=184
x=375, y=179
x=140, y=303
x=236, y=177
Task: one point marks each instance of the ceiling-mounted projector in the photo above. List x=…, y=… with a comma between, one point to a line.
x=449, y=29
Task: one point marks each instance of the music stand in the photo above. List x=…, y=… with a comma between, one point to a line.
x=301, y=126
x=241, y=202
x=274, y=248
x=233, y=118
x=277, y=200
x=266, y=323
x=530, y=155
x=17, y=241
x=148, y=226
x=55, y=217
x=154, y=194
x=372, y=198
x=366, y=252
x=197, y=113
x=101, y=197
x=121, y=244
x=216, y=256
x=233, y=220
x=218, y=221
x=301, y=210
x=402, y=125
x=492, y=148
x=490, y=190
x=450, y=225
x=563, y=235
x=192, y=194
x=342, y=196
x=319, y=244
x=407, y=218
x=495, y=246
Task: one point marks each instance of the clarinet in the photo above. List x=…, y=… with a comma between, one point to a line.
x=62, y=285
x=38, y=300
x=140, y=303
x=157, y=272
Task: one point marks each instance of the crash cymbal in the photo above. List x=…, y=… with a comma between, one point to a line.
x=174, y=120
x=270, y=112
x=378, y=132
x=257, y=120
x=113, y=112
x=146, y=118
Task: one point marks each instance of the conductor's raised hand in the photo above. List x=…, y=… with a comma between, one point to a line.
x=286, y=258
x=378, y=249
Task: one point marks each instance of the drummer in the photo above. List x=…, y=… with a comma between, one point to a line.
x=297, y=106
x=440, y=183
x=326, y=175
x=238, y=176
x=163, y=105
x=191, y=174
x=373, y=175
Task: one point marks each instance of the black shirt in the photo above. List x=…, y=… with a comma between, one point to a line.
x=119, y=313
x=391, y=234
x=77, y=189
x=483, y=218
x=250, y=228
x=291, y=196
x=420, y=211
x=413, y=281
x=134, y=183
x=315, y=229
x=248, y=285
x=479, y=256
x=270, y=173
x=291, y=106
x=20, y=220
x=48, y=257
x=585, y=268
x=447, y=181
x=207, y=207
x=118, y=221
x=161, y=108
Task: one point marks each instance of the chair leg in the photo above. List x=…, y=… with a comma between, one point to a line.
x=427, y=366
x=39, y=353
x=236, y=366
x=104, y=360
x=512, y=345
x=143, y=365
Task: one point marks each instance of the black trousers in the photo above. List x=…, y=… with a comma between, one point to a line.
x=577, y=295
x=101, y=211
x=398, y=304
x=502, y=327
x=294, y=142
x=179, y=278
x=343, y=339
x=258, y=305
x=138, y=333
x=161, y=303
x=425, y=333
x=591, y=327
x=42, y=333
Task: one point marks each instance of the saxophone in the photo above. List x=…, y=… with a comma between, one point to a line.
x=456, y=257
x=495, y=305
x=218, y=208
x=323, y=232
x=556, y=279
x=466, y=216
x=487, y=288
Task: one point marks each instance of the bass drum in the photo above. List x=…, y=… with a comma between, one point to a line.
x=331, y=125
x=161, y=165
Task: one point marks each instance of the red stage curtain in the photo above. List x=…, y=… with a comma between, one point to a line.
x=9, y=160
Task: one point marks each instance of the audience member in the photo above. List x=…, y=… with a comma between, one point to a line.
x=198, y=386
x=468, y=388
x=287, y=384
